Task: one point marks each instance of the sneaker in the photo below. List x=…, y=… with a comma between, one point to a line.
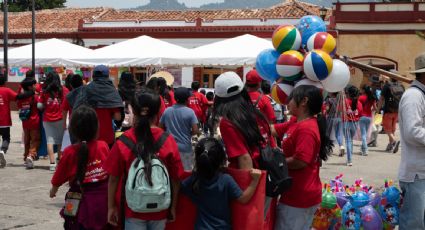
x=342, y=151
x=29, y=163
x=389, y=147
x=349, y=164
x=2, y=160
x=52, y=166
x=364, y=153
x=396, y=146
x=372, y=144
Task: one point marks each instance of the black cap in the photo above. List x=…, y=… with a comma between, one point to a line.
x=182, y=94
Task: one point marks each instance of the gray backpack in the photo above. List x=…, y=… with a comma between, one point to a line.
x=140, y=196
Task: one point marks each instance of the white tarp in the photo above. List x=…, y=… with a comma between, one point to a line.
x=237, y=51
x=52, y=52
x=140, y=51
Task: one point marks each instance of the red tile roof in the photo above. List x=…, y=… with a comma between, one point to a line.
x=66, y=20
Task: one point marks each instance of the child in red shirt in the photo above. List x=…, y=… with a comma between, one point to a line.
x=305, y=144
x=50, y=102
x=6, y=96
x=82, y=166
x=144, y=133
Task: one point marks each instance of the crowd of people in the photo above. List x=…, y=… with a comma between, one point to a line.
x=132, y=180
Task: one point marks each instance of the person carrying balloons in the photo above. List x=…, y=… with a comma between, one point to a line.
x=305, y=144
x=353, y=109
x=260, y=101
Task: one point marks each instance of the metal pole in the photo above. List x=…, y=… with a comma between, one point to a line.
x=33, y=36
x=5, y=39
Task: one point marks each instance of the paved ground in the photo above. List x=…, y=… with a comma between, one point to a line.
x=25, y=204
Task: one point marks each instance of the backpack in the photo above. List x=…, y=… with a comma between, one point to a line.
x=25, y=113
x=396, y=91
x=277, y=108
x=140, y=196
x=274, y=162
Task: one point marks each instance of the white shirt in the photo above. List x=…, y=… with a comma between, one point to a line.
x=412, y=131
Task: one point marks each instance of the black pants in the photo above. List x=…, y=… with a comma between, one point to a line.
x=5, y=136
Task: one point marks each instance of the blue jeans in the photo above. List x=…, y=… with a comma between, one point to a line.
x=137, y=224
x=412, y=212
x=364, y=128
x=350, y=129
x=337, y=122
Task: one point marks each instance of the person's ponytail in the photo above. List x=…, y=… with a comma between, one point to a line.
x=145, y=145
x=326, y=143
x=83, y=155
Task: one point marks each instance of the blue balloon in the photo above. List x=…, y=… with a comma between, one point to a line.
x=309, y=25
x=351, y=217
x=266, y=64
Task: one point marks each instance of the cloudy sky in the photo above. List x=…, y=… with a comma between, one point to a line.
x=129, y=3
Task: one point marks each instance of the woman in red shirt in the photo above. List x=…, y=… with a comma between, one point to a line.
x=353, y=109
x=144, y=134
x=82, y=166
x=305, y=144
x=50, y=102
x=368, y=101
x=243, y=128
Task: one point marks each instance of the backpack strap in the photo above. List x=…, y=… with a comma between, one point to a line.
x=258, y=100
x=128, y=142
x=131, y=145
x=417, y=87
x=160, y=142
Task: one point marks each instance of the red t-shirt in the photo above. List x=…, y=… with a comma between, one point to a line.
x=236, y=145
x=66, y=106
x=52, y=106
x=171, y=102
x=6, y=96
x=302, y=141
x=351, y=115
x=67, y=168
x=34, y=121
x=199, y=104
x=367, y=106
x=263, y=105
x=120, y=159
x=106, y=131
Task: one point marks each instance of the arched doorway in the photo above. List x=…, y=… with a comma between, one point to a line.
x=360, y=77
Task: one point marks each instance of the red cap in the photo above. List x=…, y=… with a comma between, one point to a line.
x=253, y=78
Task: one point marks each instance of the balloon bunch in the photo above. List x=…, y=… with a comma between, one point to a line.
x=389, y=207
x=302, y=55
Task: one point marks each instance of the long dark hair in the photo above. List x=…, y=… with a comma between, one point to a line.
x=353, y=94
x=314, y=107
x=83, y=126
x=127, y=86
x=145, y=104
x=371, y=96
x=210, y=159
x=53, y=85
x=240, y=111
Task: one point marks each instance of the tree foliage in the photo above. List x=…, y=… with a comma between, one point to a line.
x=26, y=5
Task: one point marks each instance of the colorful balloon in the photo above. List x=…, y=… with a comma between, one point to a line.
x=309, y=25
x=322, y=41
x=280, y=92
x=351, y=217
x=389, y=208
x=266, y=64
x=285, y=38
x=339, y=78
x=290, y=65
x=317, y=65
x=370, y=218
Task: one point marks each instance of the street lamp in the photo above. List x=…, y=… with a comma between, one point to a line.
x=323, y=11
x=33, y=37
x=5, y=39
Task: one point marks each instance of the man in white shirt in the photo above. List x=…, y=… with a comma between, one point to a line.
x=412, y=165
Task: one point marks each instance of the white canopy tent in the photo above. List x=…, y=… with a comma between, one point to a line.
x=237, y=51
x=52, y=52
x=140, y=51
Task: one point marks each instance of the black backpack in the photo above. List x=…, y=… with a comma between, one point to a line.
x=274, y=162
x=396, y=91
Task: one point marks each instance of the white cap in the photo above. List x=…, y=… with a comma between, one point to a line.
x=226, y=81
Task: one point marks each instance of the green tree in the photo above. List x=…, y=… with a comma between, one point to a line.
x=25, y=5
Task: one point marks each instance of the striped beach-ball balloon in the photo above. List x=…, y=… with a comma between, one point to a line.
x=317, y=65
x=280, y=92
x=290, y=65
x=286, y=38
x=322, y=41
